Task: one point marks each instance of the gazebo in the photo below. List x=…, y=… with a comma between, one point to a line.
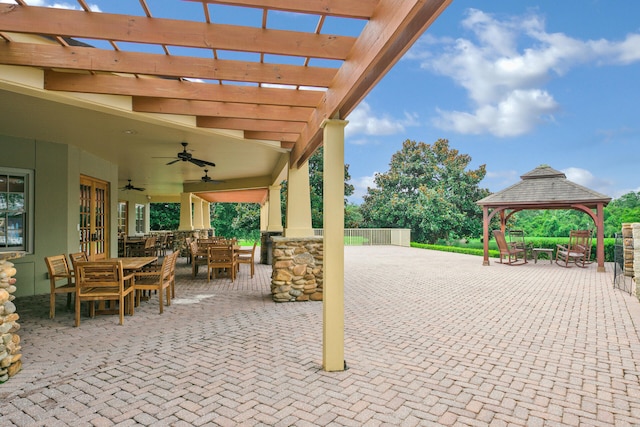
x=545, y=188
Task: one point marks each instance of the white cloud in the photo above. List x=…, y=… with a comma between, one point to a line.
x=363, y=121
x=514, y=115
x=505, y=82
x=587, y=179
x=360, y=186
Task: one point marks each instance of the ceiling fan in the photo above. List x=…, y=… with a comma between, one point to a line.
x=207, y=178
x=131, y=187
x=185, y=156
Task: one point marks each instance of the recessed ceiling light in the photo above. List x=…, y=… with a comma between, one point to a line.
x=129, y=131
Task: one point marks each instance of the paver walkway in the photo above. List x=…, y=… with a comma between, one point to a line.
x=431, y=338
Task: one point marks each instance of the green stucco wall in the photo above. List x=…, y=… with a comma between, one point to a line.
x=57, y=190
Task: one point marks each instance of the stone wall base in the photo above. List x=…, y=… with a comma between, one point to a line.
x=297, y=269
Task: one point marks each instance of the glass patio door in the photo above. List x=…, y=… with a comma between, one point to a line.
x=94, y=217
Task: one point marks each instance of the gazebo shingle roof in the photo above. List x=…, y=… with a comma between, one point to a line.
x=545, y=187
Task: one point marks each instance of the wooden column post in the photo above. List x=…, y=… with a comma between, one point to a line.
x=333, y=213
x=275, y=211
x=298, y=203
x=600, y=239
x=485, y=234
x=197, y=214
x=186, y=221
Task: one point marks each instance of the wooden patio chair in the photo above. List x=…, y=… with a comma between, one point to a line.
x=147, y=248
x=199, y=256
x=159, y=281
x=221, y=257
x=103, y=281
x=516, y=239
x=246, y=256
x=58, y=268
x=511, y=252
x=578, y=250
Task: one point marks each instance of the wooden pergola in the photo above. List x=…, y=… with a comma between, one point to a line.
x=545, y=188
x=252, y=97
x=111, y=95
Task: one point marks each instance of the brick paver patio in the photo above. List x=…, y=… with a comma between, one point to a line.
x=431, y=338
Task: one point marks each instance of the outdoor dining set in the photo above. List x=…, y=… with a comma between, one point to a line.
x=516, y=250
x=118, y=285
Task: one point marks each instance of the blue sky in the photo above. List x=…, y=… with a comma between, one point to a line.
x=513, y=84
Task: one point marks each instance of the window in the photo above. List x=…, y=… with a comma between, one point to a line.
x=16, y=218
x=122, y=218
x=140, y=219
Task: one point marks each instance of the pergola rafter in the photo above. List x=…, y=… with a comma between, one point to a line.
x=268, y=83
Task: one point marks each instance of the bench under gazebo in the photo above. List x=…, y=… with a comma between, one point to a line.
x=545, y=188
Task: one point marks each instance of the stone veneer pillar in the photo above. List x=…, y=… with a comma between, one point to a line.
x=10, y=356
x=297, y=269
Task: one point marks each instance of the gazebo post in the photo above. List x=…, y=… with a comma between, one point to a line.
x=600, y=238
x=485, y=234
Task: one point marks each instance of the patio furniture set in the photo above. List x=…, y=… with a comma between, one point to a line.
x=515, y=251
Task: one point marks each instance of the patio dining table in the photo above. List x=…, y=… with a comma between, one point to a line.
x=133, y=263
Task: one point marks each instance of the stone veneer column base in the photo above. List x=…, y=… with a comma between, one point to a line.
x=297, y=269
x=10, y=355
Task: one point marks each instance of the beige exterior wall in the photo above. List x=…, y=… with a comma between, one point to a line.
x=56, y=193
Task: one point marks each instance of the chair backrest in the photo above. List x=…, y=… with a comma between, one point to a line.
x=77, y=256
x=150, y=242
x=193, y=247
x=220, y=254
x=516, y=237
x=173, y=257
x=168, y=264
x=58, y=268
x=101, y=274
x=580, y=241
x=251, y=252
x=501, y=241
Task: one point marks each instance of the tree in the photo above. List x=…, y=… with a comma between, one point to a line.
x=241, y=220
x=428, y=190
x=164, y=216
x=624, y=209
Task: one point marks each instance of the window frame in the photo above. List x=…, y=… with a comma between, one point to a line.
x=28, y=211
x=140, y=214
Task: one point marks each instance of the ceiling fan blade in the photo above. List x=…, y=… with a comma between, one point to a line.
x=203, y=162
x=172, y=162
x=137, y=188
x=198, y=162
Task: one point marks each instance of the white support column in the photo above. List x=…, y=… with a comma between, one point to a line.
x=298, y=203
x=264, y=216
x=206, y=214
x=186, y=221
x=333, y=214
x=197, y=214
x=275, y=212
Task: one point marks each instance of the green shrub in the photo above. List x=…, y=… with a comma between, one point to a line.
x=460, y=250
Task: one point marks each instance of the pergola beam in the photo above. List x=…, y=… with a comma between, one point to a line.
x=172, y=32
x=362, y=9
x=167, y=88
x=394, y=26
x=220, y=109
x=90, y=59
x=249, y=124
